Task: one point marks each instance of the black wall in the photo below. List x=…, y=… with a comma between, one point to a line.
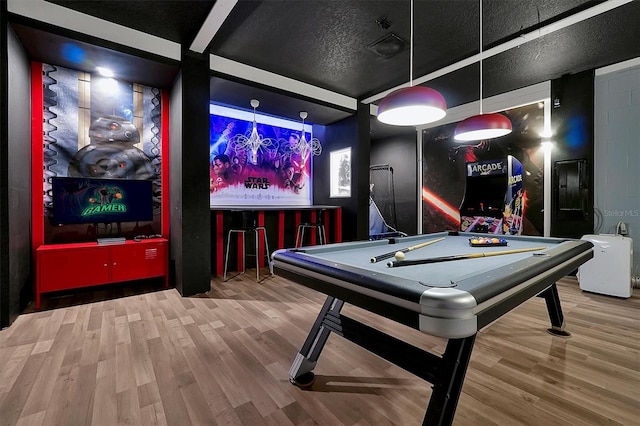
x=400, y=152
x=15, y=179
x=189, y=176
x=351, y=132
x=572, y=97
x=4, y=210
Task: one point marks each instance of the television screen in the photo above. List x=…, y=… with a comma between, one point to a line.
x=87, y=200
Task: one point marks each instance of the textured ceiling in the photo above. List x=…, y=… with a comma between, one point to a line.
x=327, y=44
x=178, y=21
x=324, y=42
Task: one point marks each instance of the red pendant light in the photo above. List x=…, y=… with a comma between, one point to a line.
x=413, y=105
x=482, y=126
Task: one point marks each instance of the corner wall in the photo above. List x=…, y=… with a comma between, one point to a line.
x=4, y=210
x=16, y=290
x=572, y=125
x=400, y=153
x=190, y=243
x=351, y=132
x=617, y=154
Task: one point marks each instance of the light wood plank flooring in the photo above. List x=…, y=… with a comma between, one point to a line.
x=223, y=357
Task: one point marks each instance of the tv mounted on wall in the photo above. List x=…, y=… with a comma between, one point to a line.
x=81, y=200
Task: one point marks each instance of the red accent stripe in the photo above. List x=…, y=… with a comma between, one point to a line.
x=219, y=241
x=165, y=208
x=281, y=229
x=261, y=247
x=338, y=227
x=37, y=157
x=314, y=214
x=327, y=226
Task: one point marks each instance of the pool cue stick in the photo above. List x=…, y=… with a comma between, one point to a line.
x=406, y=250
x=394, y=264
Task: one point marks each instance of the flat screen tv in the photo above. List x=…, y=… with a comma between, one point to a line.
x=78, y=200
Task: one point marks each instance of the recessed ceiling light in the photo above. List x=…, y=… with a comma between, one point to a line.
x=105, y=72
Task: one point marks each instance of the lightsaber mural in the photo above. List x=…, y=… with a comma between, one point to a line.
x=440, y=204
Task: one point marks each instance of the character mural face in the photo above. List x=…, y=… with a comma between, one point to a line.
x=288, y=172
x=113, y=129
x=220, y=167
x=111, y=153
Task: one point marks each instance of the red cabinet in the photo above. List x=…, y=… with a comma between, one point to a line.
x=138, y=260
x=68, y=266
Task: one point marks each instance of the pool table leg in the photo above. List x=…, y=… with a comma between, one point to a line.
x=301, y=371
x=554, y=308
x=447, y=386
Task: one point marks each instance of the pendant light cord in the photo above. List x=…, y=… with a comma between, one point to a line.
x=411, y=49
x=255, y=104
x=480, y=57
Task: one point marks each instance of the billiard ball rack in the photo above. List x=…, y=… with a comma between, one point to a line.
x=487, y=242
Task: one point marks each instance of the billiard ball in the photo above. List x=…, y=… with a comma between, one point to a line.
x=399, y=255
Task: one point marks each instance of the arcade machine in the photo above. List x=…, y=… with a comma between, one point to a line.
x=483, y=202
x=493, y=201
x=514, y=200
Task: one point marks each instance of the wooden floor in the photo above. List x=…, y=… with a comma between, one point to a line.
x=223, y=358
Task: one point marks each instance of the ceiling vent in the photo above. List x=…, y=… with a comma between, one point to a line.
x=388, y=46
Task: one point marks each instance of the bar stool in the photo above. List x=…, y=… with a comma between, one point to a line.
x=249, y=223
x=318, y=226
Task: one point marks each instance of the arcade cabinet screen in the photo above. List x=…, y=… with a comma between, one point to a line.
x=79, y=200
x=484, y=195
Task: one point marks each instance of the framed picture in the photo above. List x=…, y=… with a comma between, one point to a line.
x=340, y=173
x=274, y=173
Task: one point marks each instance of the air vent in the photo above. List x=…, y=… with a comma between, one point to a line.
x=388, y=46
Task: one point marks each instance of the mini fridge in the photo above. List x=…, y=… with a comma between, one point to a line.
x=609, y=272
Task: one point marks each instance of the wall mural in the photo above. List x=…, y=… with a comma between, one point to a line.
x=264, y=168
x=447, y=182
x=98, y=127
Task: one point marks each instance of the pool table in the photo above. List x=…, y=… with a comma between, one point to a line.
x=451, y=299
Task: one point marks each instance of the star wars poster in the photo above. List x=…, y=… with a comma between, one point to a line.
x=266, y=162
